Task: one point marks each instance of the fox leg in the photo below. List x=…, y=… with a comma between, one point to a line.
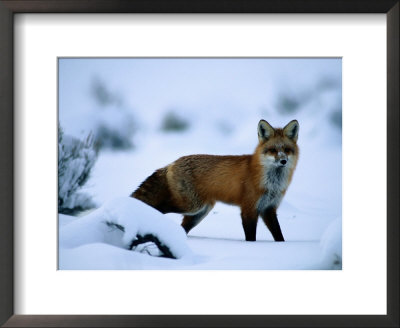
x=271, y=220
x=191, y=220
x=249, y=222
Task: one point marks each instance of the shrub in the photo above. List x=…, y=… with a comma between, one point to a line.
x=114, y=128
x=174, y=123
x=113, y=124
x=75, y=161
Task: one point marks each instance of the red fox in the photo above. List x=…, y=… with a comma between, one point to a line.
x=256, y=183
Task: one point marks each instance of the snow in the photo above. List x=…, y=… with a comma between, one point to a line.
x=331, y=243
x=222, y=100
x=101, y=227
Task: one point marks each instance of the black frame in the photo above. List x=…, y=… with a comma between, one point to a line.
x=7, y=10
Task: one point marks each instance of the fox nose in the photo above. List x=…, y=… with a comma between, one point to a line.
x=283, y=161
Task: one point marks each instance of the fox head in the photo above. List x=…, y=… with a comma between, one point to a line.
x=278, y=147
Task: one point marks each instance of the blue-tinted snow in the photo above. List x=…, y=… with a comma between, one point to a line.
x=222, y=100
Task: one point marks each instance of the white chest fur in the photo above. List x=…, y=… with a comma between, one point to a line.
x=275, y=182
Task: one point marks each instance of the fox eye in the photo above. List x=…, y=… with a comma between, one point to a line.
x=288, y=150
x=272, y=150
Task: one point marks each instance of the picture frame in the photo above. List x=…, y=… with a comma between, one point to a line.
x=7, y=10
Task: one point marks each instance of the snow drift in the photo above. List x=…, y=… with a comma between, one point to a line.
x=119, y=223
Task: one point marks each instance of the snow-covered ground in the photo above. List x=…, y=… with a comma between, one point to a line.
x=222, y=101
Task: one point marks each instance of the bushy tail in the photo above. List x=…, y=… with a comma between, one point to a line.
x=155, y=192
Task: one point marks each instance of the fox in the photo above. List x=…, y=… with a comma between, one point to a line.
x=256, y=183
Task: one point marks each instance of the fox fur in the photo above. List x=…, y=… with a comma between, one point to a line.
x=256, y=183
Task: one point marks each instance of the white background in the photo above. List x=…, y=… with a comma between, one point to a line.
x=360, y=288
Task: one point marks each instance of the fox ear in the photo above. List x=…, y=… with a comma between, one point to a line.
x=265, y=130
x=291, y=130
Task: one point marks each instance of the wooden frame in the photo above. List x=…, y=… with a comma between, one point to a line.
x=9, y=7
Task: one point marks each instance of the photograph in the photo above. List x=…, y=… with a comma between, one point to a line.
x=199, y=163
x=199, y=149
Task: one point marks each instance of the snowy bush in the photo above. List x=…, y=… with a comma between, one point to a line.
x=75, y=160
x=113, y=124
x=114, y=128
x=172, y=122
x=324, y=93
x=289, y=103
